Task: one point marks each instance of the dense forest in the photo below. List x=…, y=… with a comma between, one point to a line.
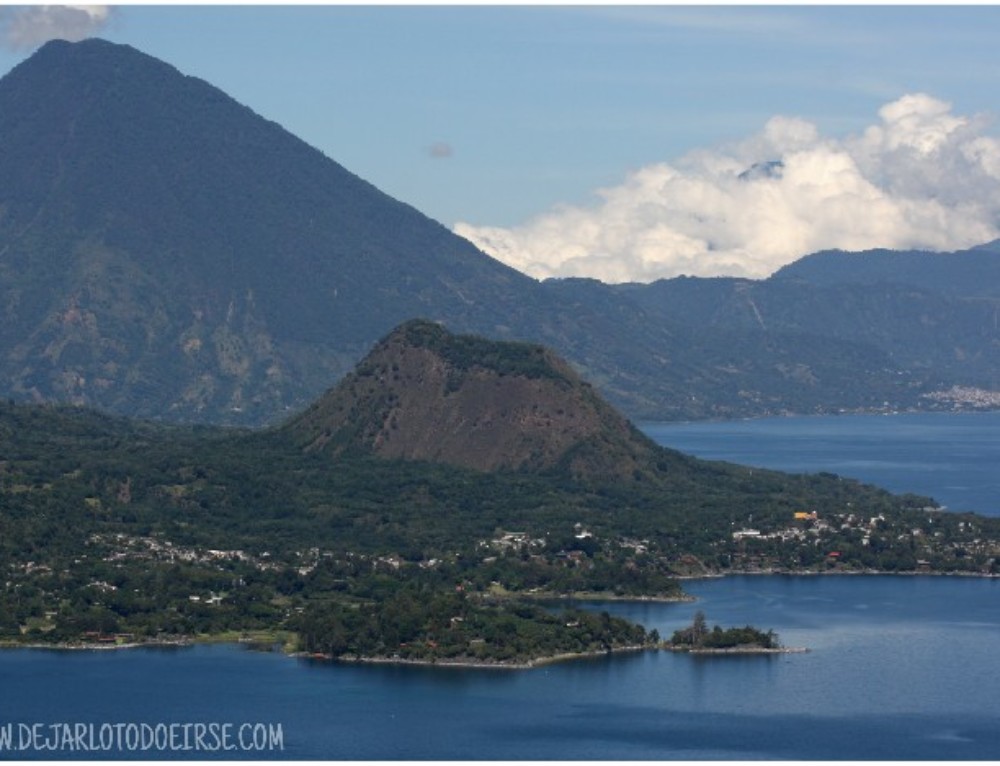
x=426, y=624
x=115, y=530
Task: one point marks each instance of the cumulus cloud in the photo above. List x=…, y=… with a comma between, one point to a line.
x=28, y=26
x=921, y=177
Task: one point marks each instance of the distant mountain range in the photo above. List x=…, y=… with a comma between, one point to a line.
x=971, y=273
x=928, y=319
x=165, y=252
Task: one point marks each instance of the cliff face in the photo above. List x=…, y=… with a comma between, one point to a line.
x=425, y=394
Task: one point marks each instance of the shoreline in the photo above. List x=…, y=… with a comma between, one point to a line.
x=960, y=409
x=181, y=642
x=480, y=664
x=738, y=650
x=188, y=641
x=837, y=572
x=82, y=647
x=599, y=596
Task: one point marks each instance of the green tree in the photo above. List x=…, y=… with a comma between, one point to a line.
x=699, y=629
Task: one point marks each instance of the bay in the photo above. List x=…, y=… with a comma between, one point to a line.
x=951, y=457
x=900, y=668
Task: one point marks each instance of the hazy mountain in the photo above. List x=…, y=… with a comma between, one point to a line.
x=968, y=273
x=166, y=252
x=929, y=319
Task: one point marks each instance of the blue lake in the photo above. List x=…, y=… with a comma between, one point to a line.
x=954, y=458
x=900, y=668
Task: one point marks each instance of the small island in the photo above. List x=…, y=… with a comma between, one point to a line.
x=698, y=639
x=426, y=627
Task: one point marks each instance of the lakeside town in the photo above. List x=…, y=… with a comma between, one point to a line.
x=206, y=583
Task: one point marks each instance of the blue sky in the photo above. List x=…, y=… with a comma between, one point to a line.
x=503, y=119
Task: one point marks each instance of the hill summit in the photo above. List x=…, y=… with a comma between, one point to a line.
x=426, y=394
x=167, y=252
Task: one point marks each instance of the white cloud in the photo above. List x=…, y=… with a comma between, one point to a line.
x=28, y=26
x=920, y=178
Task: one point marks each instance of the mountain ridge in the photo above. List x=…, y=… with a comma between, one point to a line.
x=979, y=275
x=172, y=186
x=167, y=253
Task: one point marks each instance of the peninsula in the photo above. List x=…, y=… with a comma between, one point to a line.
x=417, y=511
x=698, y=639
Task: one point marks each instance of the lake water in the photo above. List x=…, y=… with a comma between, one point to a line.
x=952, y=457
x=899, y=668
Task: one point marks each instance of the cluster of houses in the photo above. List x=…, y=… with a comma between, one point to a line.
x=809, y=526
x=963, y=397
x=138, y=548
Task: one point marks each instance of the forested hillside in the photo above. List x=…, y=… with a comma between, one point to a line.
x=111, y=526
